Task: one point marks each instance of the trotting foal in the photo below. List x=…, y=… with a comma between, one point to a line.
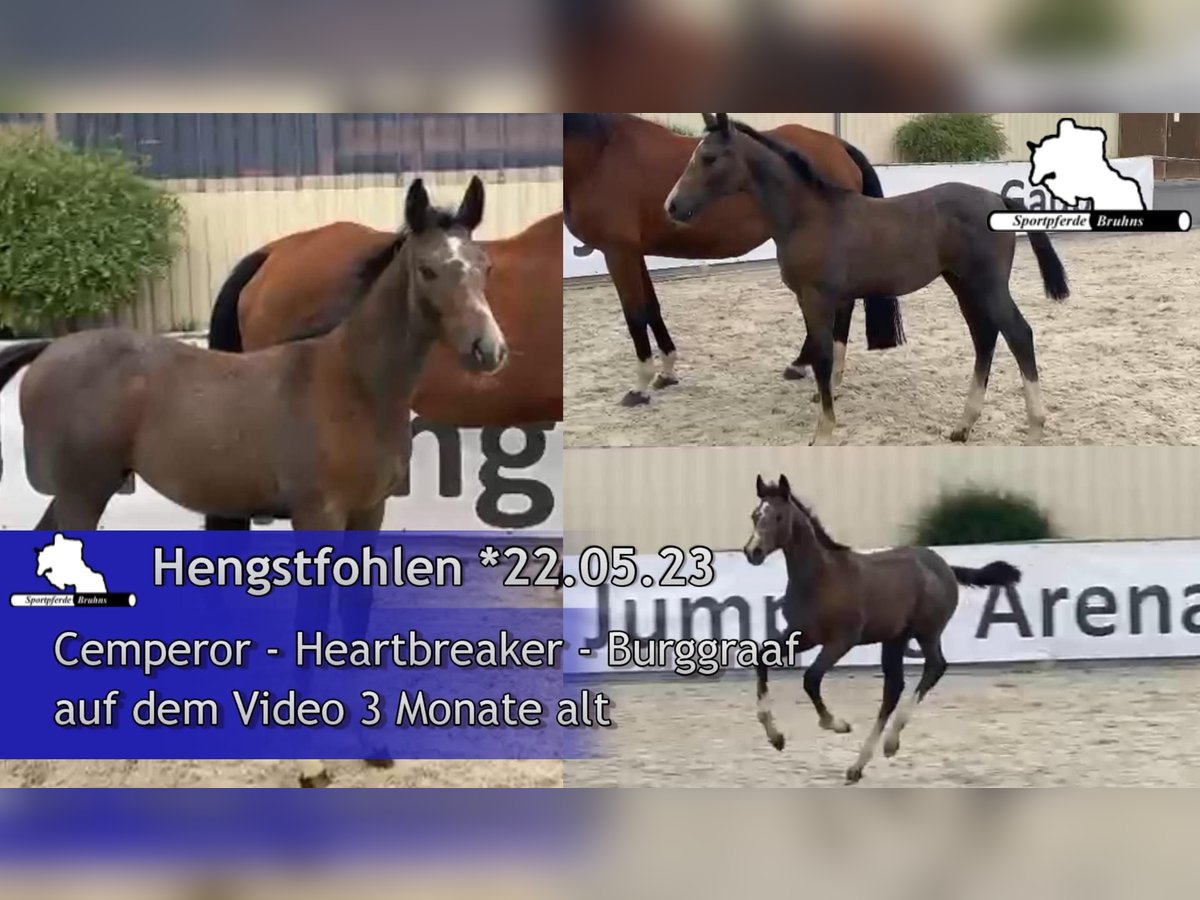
x=838, y=599
x=833, y=245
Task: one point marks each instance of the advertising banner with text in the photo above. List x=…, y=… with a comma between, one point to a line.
x=1075, y=601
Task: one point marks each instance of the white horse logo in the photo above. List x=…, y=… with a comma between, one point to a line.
x=1072, y=166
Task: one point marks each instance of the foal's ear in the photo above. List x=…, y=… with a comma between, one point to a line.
x=470, y=211
x=723, y=123
x=710, y=121
x=784, y=487
x=761, y=488
x=416, y=205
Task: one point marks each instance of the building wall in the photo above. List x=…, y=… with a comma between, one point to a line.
x=248, y=178
x=228, y=218
x=870, y=496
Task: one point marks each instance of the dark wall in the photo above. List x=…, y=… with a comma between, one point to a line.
x=224, y=145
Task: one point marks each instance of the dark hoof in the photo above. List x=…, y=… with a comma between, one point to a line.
x=635, y=398
x=891, y=748
x=664, y=381
x=380, y=761
x=795, y=373
x=853, y=776
x=777, y=742
x=959, y=436
x=317, y=781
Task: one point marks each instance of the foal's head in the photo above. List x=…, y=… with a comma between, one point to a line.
x=780, y=520
x=715, y=170
x=448, y=271
x=774, y=520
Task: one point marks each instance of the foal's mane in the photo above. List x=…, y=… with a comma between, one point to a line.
x=823, y=536
x=363, y=277
x=796, y=160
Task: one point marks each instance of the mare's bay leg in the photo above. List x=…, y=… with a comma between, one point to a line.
x=625, y=270
x=841, y=335
x=666, y=346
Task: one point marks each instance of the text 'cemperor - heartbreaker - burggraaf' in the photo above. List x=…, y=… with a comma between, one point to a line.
x=260, y=574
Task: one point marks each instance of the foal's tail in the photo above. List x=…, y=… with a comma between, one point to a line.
x=885, y=322
x=224, y=332
x=16, y=357
x=994, y=574
x=1054, y=276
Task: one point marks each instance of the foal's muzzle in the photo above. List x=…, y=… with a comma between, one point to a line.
x=754, y=555
x=678, y=213
x=486, y=356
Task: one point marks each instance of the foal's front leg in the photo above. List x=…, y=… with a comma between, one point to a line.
x=766, y=716
x=817, y=311
x=354, y=609
x=316, y=516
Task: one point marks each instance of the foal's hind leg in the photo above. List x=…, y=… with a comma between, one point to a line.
x=893, y=688
x=983, y=335
x=935, y=668
x=1019, y=337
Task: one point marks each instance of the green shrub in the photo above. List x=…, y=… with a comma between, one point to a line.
x=1071, y=28
x=950, y=137
x=79, y=232
x=980, y=516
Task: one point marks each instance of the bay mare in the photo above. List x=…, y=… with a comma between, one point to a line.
x=297, y=285
x=837, y=599
x=619, y=168
x=315, y=430
x=302, y=285
x=834, y=244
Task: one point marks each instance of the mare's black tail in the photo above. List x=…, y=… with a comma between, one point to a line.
x=994, y=574
x=224, y=332
x=885, y=322
x=16, y=357
x=1054, y=276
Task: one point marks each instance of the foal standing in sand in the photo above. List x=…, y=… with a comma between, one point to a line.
x=314, y=430
x=833, y=244
x=839, y=599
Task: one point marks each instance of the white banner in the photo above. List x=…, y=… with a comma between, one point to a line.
x=469, y=479
x=1075, y=601
x=1008, y=179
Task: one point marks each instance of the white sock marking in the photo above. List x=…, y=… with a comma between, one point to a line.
x=1034, y=410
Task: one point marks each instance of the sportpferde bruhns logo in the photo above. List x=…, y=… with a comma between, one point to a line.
x=61, y=564
x=1073, y=166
